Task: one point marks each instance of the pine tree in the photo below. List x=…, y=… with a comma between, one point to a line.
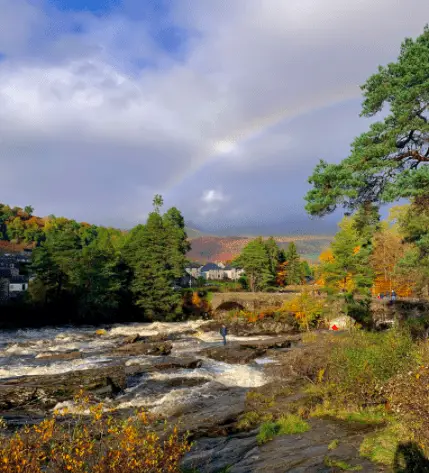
x=255, y=261
x=273, y=253
x=294, y=273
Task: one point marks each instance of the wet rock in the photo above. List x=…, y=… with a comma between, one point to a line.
x=242, y=328
x=233, y=353
x=144, y=348
x=163, y=363
x=288, y=453
x=211, y=412
x=47, y=390
x=279, y=342
x=133, y=339
x=55, y=356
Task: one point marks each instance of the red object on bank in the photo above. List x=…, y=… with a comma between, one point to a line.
x=334, y=327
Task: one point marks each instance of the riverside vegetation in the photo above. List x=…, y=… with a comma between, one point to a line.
x=373, y=386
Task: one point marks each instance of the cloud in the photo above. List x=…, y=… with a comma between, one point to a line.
x=212, y=201
x=99, y=113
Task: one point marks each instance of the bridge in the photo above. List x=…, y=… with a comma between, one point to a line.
x=252, y=301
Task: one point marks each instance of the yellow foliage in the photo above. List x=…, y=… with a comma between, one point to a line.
x=305, y=308
x=69, y=445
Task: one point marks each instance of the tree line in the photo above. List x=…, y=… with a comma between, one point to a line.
x=85, y=273
x=268, y=266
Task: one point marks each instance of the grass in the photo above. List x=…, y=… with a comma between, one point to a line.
x=286, y=425
x=342, y=465
x=248, y=420
x=380, y=447
x=376, y=416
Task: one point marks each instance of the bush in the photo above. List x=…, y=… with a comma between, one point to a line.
x=98, y=443
x=361, y=364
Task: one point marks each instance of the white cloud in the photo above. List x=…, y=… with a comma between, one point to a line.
x=87, y=126
x=212, y=200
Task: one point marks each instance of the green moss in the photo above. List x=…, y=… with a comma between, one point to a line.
x=341, y=464
x=248, y=420
x=334, y=444
x=380, y=447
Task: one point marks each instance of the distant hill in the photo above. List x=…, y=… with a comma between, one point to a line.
x=193, y=232
x=211, y=248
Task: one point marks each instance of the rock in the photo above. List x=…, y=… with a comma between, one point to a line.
x=242, y=328
x=164, y=363
x=233, y=353
x=47, y=390
x=217, y=454
x=343, y=322
x=101, y=331
x=133, y=339
x=297, y=453
x=211, y=412
x=279, y=342
x=54, y=356
x=144, y=348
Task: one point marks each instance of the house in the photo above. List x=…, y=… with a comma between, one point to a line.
x=214, y=271
x=12, y=284
x=233, y=273
x=194, y=269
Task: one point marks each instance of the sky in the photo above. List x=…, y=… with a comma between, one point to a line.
x=222, y=107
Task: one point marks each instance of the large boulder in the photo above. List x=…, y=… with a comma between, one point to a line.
x=233, y=353
x=56, y=356
x=162, y=364
x=48, y=390
x=343, y=322
x=144, y=348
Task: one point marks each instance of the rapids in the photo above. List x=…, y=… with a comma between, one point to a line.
x=21, y=354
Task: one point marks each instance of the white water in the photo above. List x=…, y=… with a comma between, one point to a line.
x=20, y=353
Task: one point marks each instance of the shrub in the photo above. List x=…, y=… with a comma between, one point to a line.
x=98, y=443
x=361, y=364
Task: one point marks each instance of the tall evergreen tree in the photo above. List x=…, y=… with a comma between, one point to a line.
x=294, y=273
x=273, y=253
x=255, y=260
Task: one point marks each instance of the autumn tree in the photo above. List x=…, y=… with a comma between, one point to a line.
x=348, y=269
x=387, y=162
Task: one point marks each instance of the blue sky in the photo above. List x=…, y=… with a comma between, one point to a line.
x=223, y=107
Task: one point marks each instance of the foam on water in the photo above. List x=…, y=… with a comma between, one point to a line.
x=18, y=370
x=154, y=328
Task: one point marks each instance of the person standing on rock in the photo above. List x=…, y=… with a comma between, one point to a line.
x=224, y=332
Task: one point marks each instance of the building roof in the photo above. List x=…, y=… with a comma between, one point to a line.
x=18, y=280
x=5, y=273
x=210, y=267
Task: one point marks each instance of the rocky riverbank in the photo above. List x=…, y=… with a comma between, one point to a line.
x=183, y=373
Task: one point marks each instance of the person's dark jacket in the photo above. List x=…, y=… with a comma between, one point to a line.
x=223, y=331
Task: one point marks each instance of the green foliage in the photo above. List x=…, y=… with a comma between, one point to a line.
x=156, y=252
x=381, y=446
x=286, y=425
x=363, y=362
x=334, y=444
x=388, y=161
x=349, y=269
x=294, y=267
x=256, y=262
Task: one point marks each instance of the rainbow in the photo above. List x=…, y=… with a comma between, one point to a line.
x=256, y=128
